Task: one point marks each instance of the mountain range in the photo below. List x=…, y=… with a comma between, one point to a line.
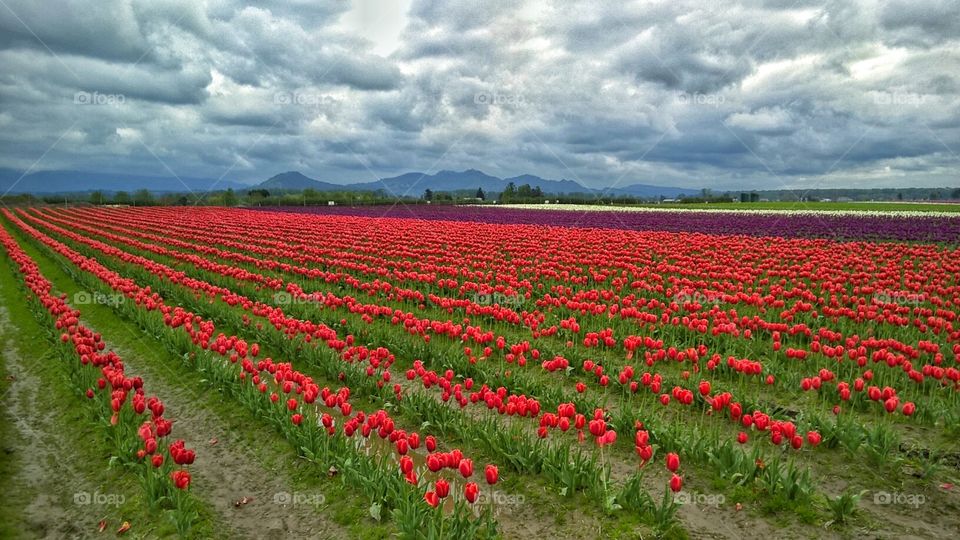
x=408, y=184
x=49, y=182
x=415, y=183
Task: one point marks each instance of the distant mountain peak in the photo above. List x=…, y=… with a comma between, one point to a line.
x=407, y=184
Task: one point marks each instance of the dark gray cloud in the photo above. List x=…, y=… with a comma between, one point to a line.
x=758, y=93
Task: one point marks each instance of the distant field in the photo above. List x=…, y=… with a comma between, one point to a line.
x=907, y=226
x=816, y=206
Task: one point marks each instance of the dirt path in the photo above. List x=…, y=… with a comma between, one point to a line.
x=46, y=469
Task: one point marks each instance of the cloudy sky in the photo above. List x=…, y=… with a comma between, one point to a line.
x=764, y=94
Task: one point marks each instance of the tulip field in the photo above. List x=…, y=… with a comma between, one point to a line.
x=494, y=373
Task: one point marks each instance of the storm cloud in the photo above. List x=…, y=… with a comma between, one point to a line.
x=755, y=94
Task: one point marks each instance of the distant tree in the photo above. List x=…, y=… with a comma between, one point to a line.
x=955, y=194
x=900, y=196
x=537, y=192
x=142, y=197
x=754, y=197
x=230, y=198
x=121, y=197
x=744, y=197
x=258, y=193
x=509, y=192
x=524, y=191
x=428, y=194
x=96, y=197
x=934, y=195
x=480, y=194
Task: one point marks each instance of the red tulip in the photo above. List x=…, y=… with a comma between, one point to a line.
x=742, y=437
x=431, y=498
x=442, y=488
x=909, y=408
x=470, y=491
x=646, y=452
x=776, y=437
x=492, y=474
x=598, y=428
x=890, y=405
x=466, y=467
x=673, y=462
x=676, y=483
x=181, y=479
x=796, y=442
x=406, y=464
x=813, y=438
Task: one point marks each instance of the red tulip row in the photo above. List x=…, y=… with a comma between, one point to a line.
x=495, y=401
x=124, y=397
x=790, y=322
x=285, y=379
x=498, y=399
x=743, y=365
x=598, y=426
x=706, y=326
x=664, y=398
x=279, y=230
